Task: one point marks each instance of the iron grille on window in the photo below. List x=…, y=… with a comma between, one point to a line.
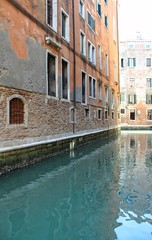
x=64, y=79
x=51, y=76
x=16, y=111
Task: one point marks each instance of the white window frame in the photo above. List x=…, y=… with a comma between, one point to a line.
x=55, y=15
x=134, y=112
x=25, y=124
x=93, y=30
x=56, y=66
x=72, y=115
x=107, y=65
x=97, y=5
x=99, y=90
x=91, y=95
x=91, y=53
x=68, y=80
x=124, y=111
x=147, y=65
x=84, y=103
x=149, y=82
x=99, y=57
x=132, y=62
x=82, y=41
x=81, y=3
x=67, y=26
x=106, y=21
x=106, y=94
x=147, y=114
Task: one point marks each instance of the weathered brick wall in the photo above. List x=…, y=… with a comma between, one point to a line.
x=47, y=117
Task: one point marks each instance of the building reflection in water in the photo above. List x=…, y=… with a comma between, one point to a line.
x=135, y=187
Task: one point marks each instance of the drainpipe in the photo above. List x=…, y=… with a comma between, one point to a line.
x=74, y=67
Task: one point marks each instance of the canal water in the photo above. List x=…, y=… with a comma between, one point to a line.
x=102, y=191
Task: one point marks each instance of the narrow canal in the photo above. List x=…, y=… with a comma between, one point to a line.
x=102, y=191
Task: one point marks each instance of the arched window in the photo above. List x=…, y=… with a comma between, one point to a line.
x=16, y=111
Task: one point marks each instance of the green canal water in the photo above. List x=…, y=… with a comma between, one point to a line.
x=102, y=191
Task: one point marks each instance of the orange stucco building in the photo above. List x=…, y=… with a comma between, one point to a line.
x=59, y=67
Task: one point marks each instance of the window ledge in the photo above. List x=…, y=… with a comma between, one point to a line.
x=50, y=40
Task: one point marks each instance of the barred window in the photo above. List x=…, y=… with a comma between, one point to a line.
x=16, y=111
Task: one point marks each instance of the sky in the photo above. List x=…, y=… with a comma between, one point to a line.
x=135, y=16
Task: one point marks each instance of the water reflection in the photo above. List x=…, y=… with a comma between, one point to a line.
x=135, y=187
x=99, y=192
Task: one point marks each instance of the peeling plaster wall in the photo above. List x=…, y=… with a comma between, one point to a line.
x=27, y=74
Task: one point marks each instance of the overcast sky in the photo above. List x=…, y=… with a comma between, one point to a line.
x=135, y=16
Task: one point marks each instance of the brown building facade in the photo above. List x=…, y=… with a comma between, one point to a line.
x=136, y=82
x=58, y=68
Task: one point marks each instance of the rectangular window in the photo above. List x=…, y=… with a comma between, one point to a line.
x=92, y=87
x=149, y=82
x=83, y=87
x=99, y=90
x=51, y=75
x=86, y=112
x=107, y=66
x=82, y=43
x=132, y=114
x=106, y=114
x=106, y=21
x=106, y=95
x=113, y=115
x=65, y=79
x=148, y=45
x=148, y=62
x=149, y=99
x=122, y=110
x=81, y=8
x=149, y=114
x=99, y=57
x=131, y=45
x=112, y=98
x=91, y=53
x=122, y=97
x=122, y=62
x=51, y=13
x=132, y=99
x=106, y=1
x=131, y=62
x=99, y=10
x=72, y=115
x=99, y=114
x=91, y=22
x=65, y=25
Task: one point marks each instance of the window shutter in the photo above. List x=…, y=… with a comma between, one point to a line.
x=146, y=98
x=135, y=99
x=128, y=98
x=128, y=62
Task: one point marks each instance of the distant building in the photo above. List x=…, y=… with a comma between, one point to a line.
x=58, y=67
x=136, y=81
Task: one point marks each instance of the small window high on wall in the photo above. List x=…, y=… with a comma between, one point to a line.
x=16, y=114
